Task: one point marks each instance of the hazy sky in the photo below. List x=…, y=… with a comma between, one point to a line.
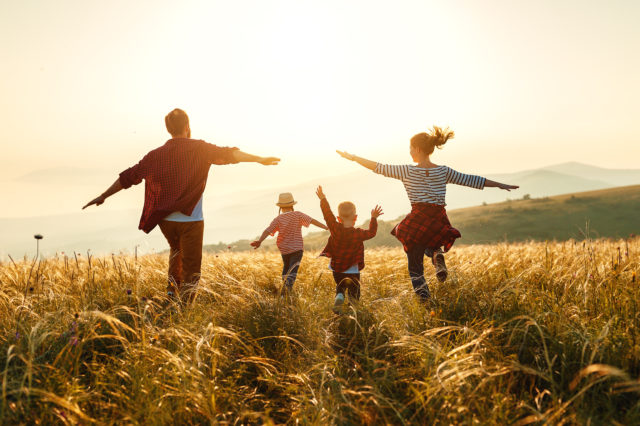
x=523, y=83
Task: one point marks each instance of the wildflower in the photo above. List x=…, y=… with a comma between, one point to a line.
x=17, y=335
x=76, y=315
x=432, y=313
x=31, y=289
x=128, y=292
x=144, y=299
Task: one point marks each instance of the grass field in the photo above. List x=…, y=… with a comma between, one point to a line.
x=520, y=333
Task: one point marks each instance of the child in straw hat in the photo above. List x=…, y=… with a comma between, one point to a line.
x=288, y=225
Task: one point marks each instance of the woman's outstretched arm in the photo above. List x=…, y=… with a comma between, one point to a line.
x=371, y=165
x=494, y=184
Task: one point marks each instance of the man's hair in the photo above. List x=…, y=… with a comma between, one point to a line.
x=346, y=210
x=176, y=121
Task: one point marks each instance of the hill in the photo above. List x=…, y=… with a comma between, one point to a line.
x=602, y=213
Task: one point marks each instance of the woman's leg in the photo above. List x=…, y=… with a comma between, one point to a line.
x=415, y=258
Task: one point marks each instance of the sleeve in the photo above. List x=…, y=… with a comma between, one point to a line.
x=367, y=234
x=273, y=227
x=471, y=181
x=219, y=154
x=134, y=175
x=305, y=220
x=329, y=218
x=397, y=172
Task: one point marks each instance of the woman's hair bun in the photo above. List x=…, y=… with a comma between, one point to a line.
x=436, y=136
x=440, y=136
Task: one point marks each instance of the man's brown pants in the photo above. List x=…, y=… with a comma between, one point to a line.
x=185, y=258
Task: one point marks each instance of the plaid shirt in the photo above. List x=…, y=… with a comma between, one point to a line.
x=175, y=176
x=427, y=226
x=345, y=247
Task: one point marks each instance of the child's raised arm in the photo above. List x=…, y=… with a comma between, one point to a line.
x=371, y=165
x=367, y=234
x=329, y=217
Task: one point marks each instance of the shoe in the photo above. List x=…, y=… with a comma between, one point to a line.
x=441, y=267
x=338, y=303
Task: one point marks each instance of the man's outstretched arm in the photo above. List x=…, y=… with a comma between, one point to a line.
x=117, y=186
x=243, y=157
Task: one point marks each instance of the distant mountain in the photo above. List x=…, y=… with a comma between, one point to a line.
x=614, y=177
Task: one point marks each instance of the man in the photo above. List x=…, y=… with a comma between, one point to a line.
x=175, y=176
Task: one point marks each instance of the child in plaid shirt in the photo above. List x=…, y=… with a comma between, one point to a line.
x=345, y=247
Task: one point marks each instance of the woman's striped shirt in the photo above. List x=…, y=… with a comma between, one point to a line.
x=428, y=185
x=288, y=226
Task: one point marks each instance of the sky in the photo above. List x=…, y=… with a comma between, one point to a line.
x=86, y=85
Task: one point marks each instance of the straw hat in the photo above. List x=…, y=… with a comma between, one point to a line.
x=285, y=200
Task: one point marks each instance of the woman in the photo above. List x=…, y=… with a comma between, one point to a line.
x=426, y=230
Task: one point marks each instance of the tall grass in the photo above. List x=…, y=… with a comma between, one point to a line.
x=520, y=333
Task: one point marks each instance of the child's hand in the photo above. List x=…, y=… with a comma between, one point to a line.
x=256, y=244
x=508, y=187
x=346, y=155
x=319, y=193
x=376, y=212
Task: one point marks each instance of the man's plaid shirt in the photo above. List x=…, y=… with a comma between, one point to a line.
x=175, y=176
x=345, y=246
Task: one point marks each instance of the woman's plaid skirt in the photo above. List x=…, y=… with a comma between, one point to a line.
x=426, y=226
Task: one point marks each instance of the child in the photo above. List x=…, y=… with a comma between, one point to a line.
x=427, y=228
x=288, y=225
x=345, y=247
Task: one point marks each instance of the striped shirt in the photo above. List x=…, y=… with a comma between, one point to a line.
x=428, y=185
x=288, y=226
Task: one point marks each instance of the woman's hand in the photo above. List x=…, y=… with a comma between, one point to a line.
x=346, y=155
x=256, y=244
x=319, y=193
x=376, y=212
x=507, y=187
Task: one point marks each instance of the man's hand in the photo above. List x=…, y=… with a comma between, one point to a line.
x=319, y=193
x=376, y=212
x=256, y=244
x=508, y=187
x=268, y=161
x=97, y=201
x=346, y=155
